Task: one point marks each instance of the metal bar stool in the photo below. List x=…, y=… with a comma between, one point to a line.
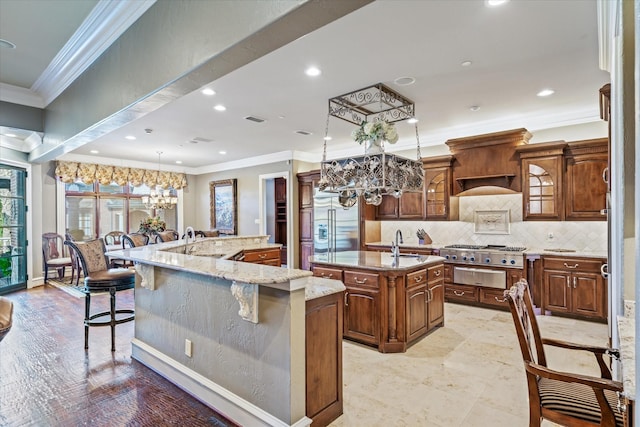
x=99, y=277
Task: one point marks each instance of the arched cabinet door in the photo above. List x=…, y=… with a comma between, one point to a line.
x=542, y=188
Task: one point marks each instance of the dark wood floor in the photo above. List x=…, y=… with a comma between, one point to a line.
x=48, y=379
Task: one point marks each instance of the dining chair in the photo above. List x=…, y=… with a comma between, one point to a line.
x=6, y=316
x=76, y=268
x=166, y=236
x=99, y=277
x=565, y=398
x=196, y=233
x=133, y=240
x=113, y=238
x=55, y=255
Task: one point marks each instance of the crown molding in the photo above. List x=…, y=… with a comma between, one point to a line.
x=106, y=22
x=245, y=163
x=21, y=96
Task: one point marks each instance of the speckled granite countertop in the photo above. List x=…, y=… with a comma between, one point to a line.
x=627, y=332
x=566, y=252
x=381, y=261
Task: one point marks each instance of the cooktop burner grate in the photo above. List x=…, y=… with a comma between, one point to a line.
x=465, y=246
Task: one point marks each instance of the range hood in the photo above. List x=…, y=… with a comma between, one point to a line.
x=487, y=164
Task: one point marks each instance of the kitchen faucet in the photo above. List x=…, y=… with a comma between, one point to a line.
x=188, y=232
x=395, y=248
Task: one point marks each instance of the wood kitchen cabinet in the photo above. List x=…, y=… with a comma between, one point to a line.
x=479, y=295
x=574, y=286
x=262, y=256
x=439, y=205
x=362, y=306
x=417, y=304
x=407, y=206
x=307, y=181
x=586, y=180
x=435, y=291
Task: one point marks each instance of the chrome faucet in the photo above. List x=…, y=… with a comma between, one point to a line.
x=188, y=232
x=395, y=248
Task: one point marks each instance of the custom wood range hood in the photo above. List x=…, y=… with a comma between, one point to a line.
x=487, y=164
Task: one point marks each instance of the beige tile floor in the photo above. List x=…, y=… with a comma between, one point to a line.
x=468, y=373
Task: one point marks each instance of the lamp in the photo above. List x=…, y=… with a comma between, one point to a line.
x=158, y=197
x=374, y=109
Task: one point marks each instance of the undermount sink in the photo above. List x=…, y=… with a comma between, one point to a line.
x=559, y=250
x=409, y=255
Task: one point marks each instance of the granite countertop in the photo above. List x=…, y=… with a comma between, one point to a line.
x=382, y=261
x=316, y=287
x=627, y=333
x=566, y=252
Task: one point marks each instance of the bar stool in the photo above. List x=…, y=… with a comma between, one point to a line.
x=99, y=277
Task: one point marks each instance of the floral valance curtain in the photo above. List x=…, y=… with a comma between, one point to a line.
x=89, y=173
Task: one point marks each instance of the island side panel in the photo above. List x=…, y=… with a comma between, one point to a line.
x=253, y=361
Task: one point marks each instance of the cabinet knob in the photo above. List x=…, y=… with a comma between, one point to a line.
x=437, y=273
x=328, y=276
x=418, y=279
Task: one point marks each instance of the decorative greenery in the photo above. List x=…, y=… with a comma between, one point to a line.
x=152, y=224
x=376, y=130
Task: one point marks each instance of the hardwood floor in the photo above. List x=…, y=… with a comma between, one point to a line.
x=48, y=379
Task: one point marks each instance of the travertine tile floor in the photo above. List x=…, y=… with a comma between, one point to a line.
x=468, y=373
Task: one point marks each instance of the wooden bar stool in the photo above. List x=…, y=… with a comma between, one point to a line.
x=99, y=277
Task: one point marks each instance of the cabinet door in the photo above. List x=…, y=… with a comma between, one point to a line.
x=411, y=206
x=513, y=276
x=280, y=189
x=388, y=209
x=417, y=301
x=306, y=224
x=305, y=191
x=542, y=188
x=557, y=288
x=437, y=190
x=586, y=190
x=436, y=305
x=587, y=294
x=306, y=250
x=361, y=315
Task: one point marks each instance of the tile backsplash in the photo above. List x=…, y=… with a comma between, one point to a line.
x=578, y=235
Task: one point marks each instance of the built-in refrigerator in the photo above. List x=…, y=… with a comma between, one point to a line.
x=335, y=229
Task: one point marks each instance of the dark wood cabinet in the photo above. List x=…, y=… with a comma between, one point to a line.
x=306, y=184
x=435, y=296
x=586, y=180
x=323, y=327
x=262, y=256
x=439, y=205
x=417, y=312
x=575, y=286
x=280, y=234
x=361, y=315
x=388, y=208
x=407, y=206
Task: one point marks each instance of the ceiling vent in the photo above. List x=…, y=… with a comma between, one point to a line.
x=198, y=139
x=303, y=132
x=254, y=119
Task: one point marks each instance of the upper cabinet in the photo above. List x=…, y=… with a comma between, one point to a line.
x=407, y=206
x=586, y=180
x=437, y=185
x=541, y=169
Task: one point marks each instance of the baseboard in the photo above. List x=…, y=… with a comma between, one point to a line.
x=217, y=397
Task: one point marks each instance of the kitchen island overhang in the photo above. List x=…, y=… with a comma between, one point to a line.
x=390, y=301
x=250, y=370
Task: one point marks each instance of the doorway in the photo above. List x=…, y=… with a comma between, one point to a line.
x=275, y=212
x=13, y=233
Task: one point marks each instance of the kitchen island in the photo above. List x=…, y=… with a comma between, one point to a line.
x=390, y=302
x=234, y=334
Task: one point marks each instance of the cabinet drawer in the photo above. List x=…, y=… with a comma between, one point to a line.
x=416, y=278
x=461, y=292
x=572, y=264
x=435, y=272
x=327, y=273
x=359, y=278
x=493, y=297
x=261, y=255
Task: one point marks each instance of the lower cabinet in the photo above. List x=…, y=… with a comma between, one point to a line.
x=574, y=286
x=324, y=323
x=263, y=256
x=480, y=295
x=361, y=318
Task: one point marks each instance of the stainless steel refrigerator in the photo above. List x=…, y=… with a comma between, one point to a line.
x=335, y=228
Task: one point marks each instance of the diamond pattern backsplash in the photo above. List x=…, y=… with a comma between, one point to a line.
x=583, y=236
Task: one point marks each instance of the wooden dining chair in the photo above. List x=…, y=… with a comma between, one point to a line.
x=55, y=255
x=100, y=277
x=133, y=240
x=113, y=238
x=568, y=399
x=166, y=236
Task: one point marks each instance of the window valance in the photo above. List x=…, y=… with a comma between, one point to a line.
x=88, y=173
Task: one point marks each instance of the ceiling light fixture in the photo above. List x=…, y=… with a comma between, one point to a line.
x=159, y=198
x=222, y=152
x=179, y=162
x=130, y=137
x=374, y=109
x=545, y=92
x=327, y=138
x=220, y=107
x=466, y=63
x=474, y=108
x=313, y=71
x=494, y=3
x=404, y=81
x=94, y=152
x=7, y=44
x=412, y=120
x=208, y=91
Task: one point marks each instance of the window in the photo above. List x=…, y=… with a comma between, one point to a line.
x=94, y=210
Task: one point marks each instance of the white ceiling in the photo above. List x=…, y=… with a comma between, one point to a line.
x=516, y=50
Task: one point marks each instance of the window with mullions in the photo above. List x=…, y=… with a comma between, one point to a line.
x=94, y=210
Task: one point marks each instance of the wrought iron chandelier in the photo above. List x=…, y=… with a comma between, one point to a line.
x=376, y=173
x=159, y=198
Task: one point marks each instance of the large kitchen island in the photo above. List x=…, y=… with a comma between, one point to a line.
x=390, y=302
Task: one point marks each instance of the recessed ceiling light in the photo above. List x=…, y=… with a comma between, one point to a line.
x=7, y=44
x=94, y=151
x=208, y=91
x=281, y=117
x=466, y=63
x=222, y=152
x=404, y=81
x=220, y=107
x=313, y=71
x=179, y=162
x=130, y=137
x=327, y=138
x=11, y=135
x=545, y=92
x=494, y=3
x=412, y=120
x=474, y=108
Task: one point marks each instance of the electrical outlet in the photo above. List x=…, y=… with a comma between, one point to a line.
x=188, y=348
x=549, y=236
